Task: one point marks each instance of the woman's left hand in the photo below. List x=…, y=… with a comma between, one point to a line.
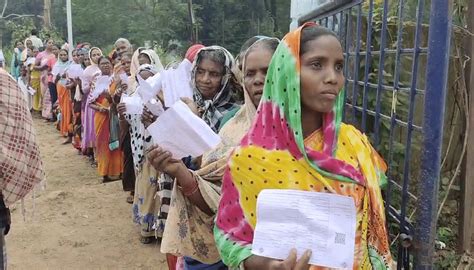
x=163, y=161
x=148, y=117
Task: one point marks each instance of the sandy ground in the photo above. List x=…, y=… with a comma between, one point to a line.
x=77, y=222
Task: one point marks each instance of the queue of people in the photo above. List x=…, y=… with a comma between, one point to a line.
x=277, y=108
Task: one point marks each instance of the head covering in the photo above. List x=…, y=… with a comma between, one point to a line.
x=61, y=66
x=209, y=176
x=274, y=155
x=192, y=52
x=147, y=67
x=20, y=161
x=154, y=58
x=90, y=54
x=135, y=63
x=224, y=101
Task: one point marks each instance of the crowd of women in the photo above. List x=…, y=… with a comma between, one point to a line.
x=277, y=108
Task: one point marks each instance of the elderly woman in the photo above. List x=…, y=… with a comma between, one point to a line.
x=109, y=158
x=196, y=193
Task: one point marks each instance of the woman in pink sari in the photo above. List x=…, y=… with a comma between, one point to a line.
x=44, y=63
x=88, y=136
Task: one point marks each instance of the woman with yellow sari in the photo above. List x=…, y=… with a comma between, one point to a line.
x=35, y=82
x=299, y=142
x=109, y=158
x=193, y=214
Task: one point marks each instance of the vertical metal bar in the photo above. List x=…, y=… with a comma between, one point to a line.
x=326, y=22
x=383, y=44
x=334, y=20
x=355, y=86
x=346, y=59
x=407, y=162
x=368, y=60
x=393, y=116
x=439, y=39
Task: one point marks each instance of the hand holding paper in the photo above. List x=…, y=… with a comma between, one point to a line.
x=176, y=83
x=133, y=104
x=321, y=222
x=145, y=90
x=181, y=132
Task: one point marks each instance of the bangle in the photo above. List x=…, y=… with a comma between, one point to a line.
x=190, y=191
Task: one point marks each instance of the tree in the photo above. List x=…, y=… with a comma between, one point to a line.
x=6, y=16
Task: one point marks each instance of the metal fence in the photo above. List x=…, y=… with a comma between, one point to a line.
x=396, y=68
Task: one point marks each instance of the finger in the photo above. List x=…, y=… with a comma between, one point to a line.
x=303, y=262
x=152, y=152
x=161, y=159
x=290, y=261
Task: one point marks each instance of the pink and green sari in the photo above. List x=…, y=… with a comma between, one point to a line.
x=274, y=155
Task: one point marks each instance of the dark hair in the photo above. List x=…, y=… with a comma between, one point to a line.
x=34, y=32
x=269, y=44
x=60, y=50
x=103, y=58
x=311, y=33
x=249, y=42
x=217, y=56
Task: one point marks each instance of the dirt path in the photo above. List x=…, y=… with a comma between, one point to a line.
x=78, y=223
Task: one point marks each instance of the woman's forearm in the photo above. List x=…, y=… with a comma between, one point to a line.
x=186, y=181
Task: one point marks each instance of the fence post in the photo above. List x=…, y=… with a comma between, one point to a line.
x=466, y=223
x=439, y=39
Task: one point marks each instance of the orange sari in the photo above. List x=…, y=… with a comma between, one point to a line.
x=110, y=163
x=64, y=98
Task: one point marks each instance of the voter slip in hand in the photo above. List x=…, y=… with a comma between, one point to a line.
x=181, y=132
x=321, y=222
x=133, y=104
x=176, y=83
x=101, y=85
x=145, y=90
x=74, y=71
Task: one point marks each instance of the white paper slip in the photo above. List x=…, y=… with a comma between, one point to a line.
x=321, y=222
x=101, y=85
x=133, y=104
x=181, y=132
x=124, y=78
x=155, y=107
x=145, y=91
x=176, y=83
x=74, y=71
x=31, y=90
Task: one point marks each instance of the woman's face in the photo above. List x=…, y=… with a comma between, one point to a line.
x=63, y=56
x=143, y=59
x=81, y=55
x=29, y=52
x=121, y=48
x=321, y=74
x=55, y=50
x=126, y=64
x=208, y=78
x=49, y=44
x=75, y=57
x=35, y=52
x=29, y=43
x=105, y=66
x=95, y=55
x=256, y=66
x=145, y=74
x=87, y=60
x=20, y=45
